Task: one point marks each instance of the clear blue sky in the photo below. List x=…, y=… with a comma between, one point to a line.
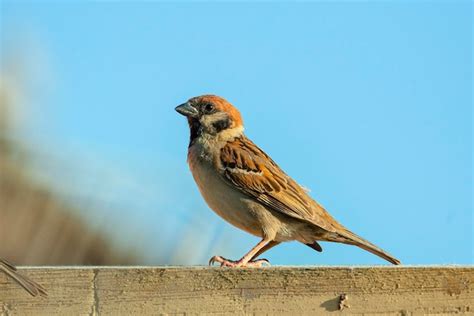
x=367, y=104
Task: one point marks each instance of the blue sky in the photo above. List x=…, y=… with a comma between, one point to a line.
x=367, y=104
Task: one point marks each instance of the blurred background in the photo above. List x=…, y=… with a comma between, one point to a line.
x=367, y=104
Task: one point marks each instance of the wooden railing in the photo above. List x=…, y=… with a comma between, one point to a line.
x=266, y=291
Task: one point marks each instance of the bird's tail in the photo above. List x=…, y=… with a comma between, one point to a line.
x=352, y=239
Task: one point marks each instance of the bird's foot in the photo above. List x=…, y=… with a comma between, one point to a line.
x=238, y=264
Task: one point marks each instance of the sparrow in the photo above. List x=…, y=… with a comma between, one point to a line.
x=245, y=187
x=29, y=285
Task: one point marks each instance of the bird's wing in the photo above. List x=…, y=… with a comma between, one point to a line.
x=254, y=173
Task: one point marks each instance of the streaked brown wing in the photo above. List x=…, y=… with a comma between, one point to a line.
x=252, y=171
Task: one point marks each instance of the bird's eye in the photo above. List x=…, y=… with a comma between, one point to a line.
x=208, y=108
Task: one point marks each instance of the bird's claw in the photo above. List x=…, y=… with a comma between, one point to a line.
x=259, y=263
x=234, y=264
x=215, y=259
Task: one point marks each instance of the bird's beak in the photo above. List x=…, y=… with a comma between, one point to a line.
x=187, y=110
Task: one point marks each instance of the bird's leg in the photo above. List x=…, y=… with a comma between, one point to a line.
x=268, y=246
x=246, y=260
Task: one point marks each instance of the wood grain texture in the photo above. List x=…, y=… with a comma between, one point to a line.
x=267, y=291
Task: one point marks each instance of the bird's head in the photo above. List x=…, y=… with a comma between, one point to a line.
x=210, y=115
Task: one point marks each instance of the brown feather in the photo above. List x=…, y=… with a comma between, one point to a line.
x=221, y=104
x=268, y=184
x=353, y=239
x=316, y=246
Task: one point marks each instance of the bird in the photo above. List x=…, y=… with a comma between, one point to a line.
x=29, y=285
x=244, y=186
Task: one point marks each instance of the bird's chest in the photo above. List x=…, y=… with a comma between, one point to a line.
x=228, y=202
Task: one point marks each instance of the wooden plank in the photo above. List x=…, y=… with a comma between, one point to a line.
x=69, y=293
x=271, y=291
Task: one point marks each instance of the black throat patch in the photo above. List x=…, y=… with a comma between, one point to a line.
x=197, y=129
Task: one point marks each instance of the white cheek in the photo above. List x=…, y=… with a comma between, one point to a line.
x=208, y=120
